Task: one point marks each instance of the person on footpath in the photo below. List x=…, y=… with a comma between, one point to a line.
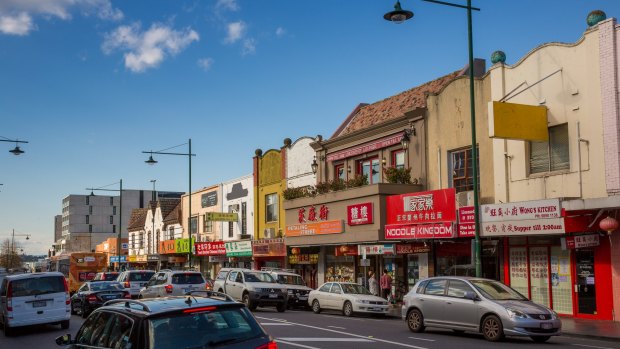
x=386, y=284
x=372, y=284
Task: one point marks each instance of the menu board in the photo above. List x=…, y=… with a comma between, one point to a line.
x=518, y=270
x=539, y=275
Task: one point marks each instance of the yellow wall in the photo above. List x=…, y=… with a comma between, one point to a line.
x=269, y=181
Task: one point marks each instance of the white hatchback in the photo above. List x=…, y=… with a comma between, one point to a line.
x=167, y=283
x=32, y=299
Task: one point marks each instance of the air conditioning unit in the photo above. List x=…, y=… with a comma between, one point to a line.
x=465, y=198
x=270, y=233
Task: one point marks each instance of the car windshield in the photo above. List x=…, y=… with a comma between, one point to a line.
x=109, y=276
x=141, y=276
x=354, y=289
x=187, y=278
x=105, y=286
x=291, y=280
x=258, y=277
x=496, y=290
x=203, y=330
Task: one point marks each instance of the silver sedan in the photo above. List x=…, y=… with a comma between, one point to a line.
x=477, y=305
x=347, y=297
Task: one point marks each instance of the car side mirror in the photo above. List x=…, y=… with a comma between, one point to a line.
x=471, y=296
x=65, y=339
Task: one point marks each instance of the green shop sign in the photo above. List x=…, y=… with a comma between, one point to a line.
x=238, y=249
x=183, y=245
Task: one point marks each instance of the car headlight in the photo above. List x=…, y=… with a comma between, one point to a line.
x=363, y=301
x=290, y=292
x=513, y=313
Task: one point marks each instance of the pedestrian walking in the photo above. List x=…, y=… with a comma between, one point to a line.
x=372, y=284
x=386, y=284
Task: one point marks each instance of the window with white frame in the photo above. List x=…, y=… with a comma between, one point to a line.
x=398, y=159
x=271, y=201
x=551, y=155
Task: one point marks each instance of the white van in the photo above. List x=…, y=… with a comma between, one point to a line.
x=32, y=299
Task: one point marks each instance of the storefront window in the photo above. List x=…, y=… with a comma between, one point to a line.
x=454, y=259
x=339, y=268
x=561, y=283
x=518, y=270
x=539, y=275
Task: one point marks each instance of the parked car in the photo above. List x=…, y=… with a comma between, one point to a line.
x=295, y=285
x=134, y=280
x=32, y=299
x=106, y=276
x=253, y=287
x=203, y=320
x=91, y=295
x=347, y=297
x=477, y=305
x=173, y=283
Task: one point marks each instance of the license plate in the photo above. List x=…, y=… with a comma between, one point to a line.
x=273, y=296
x=38, y=304
x=546, y=325
x=303, y=298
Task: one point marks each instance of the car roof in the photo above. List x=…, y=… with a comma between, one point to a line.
x=140, y=271
x=33, y=275
x=156, y=306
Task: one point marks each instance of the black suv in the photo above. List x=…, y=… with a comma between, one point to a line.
x=199, y=320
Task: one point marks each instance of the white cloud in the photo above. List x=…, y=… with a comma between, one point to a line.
x=205, y=63
x=19, y=13
x=231, y=5
x=235, y=31
x=249, y=47
x=280, y=32
x=20, y=24
x=144, y=50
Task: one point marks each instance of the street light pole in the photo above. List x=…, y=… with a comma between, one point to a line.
x=120, y=217
x=153, y=199
x=189, y=154
x=398, y=16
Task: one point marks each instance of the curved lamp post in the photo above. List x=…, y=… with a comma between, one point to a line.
x=189, y=155
x=398, y=16
x=120, y=216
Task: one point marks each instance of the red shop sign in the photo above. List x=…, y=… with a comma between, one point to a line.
x=467, y=225
x=433, y=206
x=210, y=248
x=359, y=214
x=412, y=248
x=441, y=230
x=346, y=250
x=582, y=241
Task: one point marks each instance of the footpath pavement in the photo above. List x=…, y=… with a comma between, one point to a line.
x=609, y=330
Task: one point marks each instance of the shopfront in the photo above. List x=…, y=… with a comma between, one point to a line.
x=269, y=253
x=305, y=260
x=239, y=254
x=213, y=253
x=174, y=253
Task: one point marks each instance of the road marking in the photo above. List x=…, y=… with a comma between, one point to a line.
x=423, y=339
x=275, y=324
x=296, y=344
x=322, y=339
x=590, y=346
x=340, y=328
x=348, y=334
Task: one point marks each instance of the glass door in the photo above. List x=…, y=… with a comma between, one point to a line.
x=585, y=286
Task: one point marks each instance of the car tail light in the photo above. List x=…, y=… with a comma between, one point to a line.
x=168, y=288
x=127, y=284
x=127, y=295
x=91, y=298
x=67, y=295
x=208, y=287
x=9, y=297
x=270, y=345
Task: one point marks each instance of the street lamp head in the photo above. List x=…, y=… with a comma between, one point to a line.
x=16, y=151
x=151, y=161
x=314, y=166
x=92, y=193
x=405, y=141
x=399, y=15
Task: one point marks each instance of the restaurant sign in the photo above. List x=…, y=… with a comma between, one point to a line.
x=536, y=217
x=440, y=230
x=210, y=248
x=238, y=248
x=375, y=249
x=359, y=214
x=523, y=227
x=183, y=245
x=582, y=241
x=467, y=223
x=268, y=248
x=167, y=247
x=422, y=207
x=221, y=217
x=319, y=228
x=412, y=248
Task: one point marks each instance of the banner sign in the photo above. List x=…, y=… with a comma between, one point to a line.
x=221, y=217
x=183, y=245
x=422, y=207
x=467, y=225
x=319, y=228
x=375, y=249
x=442, y=230
x=366, y=148
x=523, y=227
x=167, y=247
x=210, y=248
x=359, y=214
x=208, y=199
x=303, y=259
x=114, y=259
x=582, y=241
x=412, y=248
x=268, y=248
x=238, y=248
x=524, y=210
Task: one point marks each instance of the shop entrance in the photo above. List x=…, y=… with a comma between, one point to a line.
x=584, y=271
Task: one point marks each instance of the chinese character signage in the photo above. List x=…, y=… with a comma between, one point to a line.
x=319, y=228
x=209, y=199
x=582, y=241
x=268, y=248
x=359, y=214
x=238, y=248
x=312, y=214
x=221, y=217
x=467, y=225
x=375, y=249
x=183, y=245
x=114, y=259
x=524, y=210
x=210, y=248
x=303, y=259
x=419, y=231
x=167, y=247
x=422, y=207
x=525, y=227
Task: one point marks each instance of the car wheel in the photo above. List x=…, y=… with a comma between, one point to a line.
x=347, y=309
x=316, y=307
x=83, y=312
x=492, y=328
x=415, y=321
x=281, y=307
x=248, y=303
x=540, y=339
x=64, y=324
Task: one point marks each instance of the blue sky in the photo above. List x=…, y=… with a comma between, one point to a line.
x=92, y=83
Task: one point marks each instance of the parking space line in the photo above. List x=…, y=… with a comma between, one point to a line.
x=296, y=344
x=323, y=339
x=591, y=346
x=340, y=328
x=275, y=324
x=423, y=339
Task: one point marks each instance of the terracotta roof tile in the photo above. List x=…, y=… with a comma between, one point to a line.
x=174, y=216
x=167, y=205
x=137, y=219
x=395, y=106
